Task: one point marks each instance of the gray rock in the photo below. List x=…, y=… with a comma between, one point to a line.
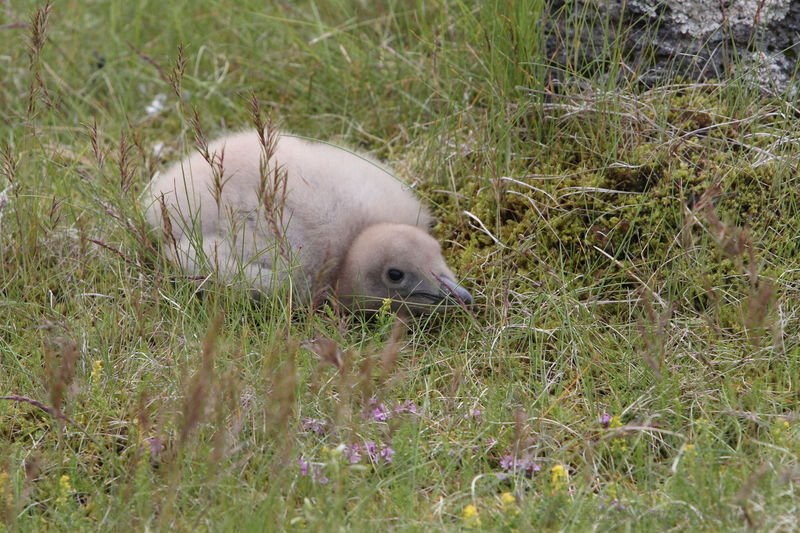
x=701, y=39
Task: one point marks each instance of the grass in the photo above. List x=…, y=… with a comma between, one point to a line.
x=634, y=360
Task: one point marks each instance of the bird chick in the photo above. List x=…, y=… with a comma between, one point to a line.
x=320, y=218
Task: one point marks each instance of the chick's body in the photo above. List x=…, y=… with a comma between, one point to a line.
x=292, y=216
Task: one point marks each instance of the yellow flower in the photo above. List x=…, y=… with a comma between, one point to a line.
x=558, y=478
x=619, y=445
x=508, y=505
x=470, y=511
x=386, y=307
x=97, y=367
x=64, y=488
x=782, y=426
x=471, y=518
x=689, y=449
x=507, y=498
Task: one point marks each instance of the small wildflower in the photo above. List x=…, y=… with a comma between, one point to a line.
x=605, y=420
x=507, y=498
x=507, y=462
x=514, y=465
x=372, y=450
x=558, y=478
x=377, y=411
x=689, y=450
x=470, y=515
x=530, y=469
x=617, y=444
x=64, y=488
x=406, y=407
x=387, y=453
x=508, y=504
x=780, y=430
x=353, y=454
x=474, y=414
x=313, y=425
x=616, y=504
x=376, y=454
x=386, y=307
x=315, y=472
x=380, y=413
x=156, y=446
x=97, y=368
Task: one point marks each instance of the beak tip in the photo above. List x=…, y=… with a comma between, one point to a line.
x=464, y=296
x=455, y=291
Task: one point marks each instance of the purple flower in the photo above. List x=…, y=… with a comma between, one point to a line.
x=155, y=445
x=406, y=407
x=372, y=451
x=315, y=470
x=353, y=454
x=377, y=411
x=387, y=453
x=380, y=413
x=514, y=465
x=475, y=414
x=313, y=425
x=530, y=468
x=605, y=420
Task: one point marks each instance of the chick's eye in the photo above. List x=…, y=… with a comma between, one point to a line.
x=395, y=275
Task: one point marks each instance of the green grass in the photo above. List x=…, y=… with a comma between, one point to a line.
x=634, y=251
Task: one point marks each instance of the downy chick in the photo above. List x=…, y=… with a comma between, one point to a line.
x=323, y=219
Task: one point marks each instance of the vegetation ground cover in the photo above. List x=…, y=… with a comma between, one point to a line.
x=633, y=360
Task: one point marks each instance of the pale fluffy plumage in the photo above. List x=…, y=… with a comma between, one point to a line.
x=306, y=235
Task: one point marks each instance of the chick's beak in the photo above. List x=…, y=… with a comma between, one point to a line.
x=452, y=290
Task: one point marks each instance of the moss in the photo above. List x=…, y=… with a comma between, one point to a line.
x=634, y=206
